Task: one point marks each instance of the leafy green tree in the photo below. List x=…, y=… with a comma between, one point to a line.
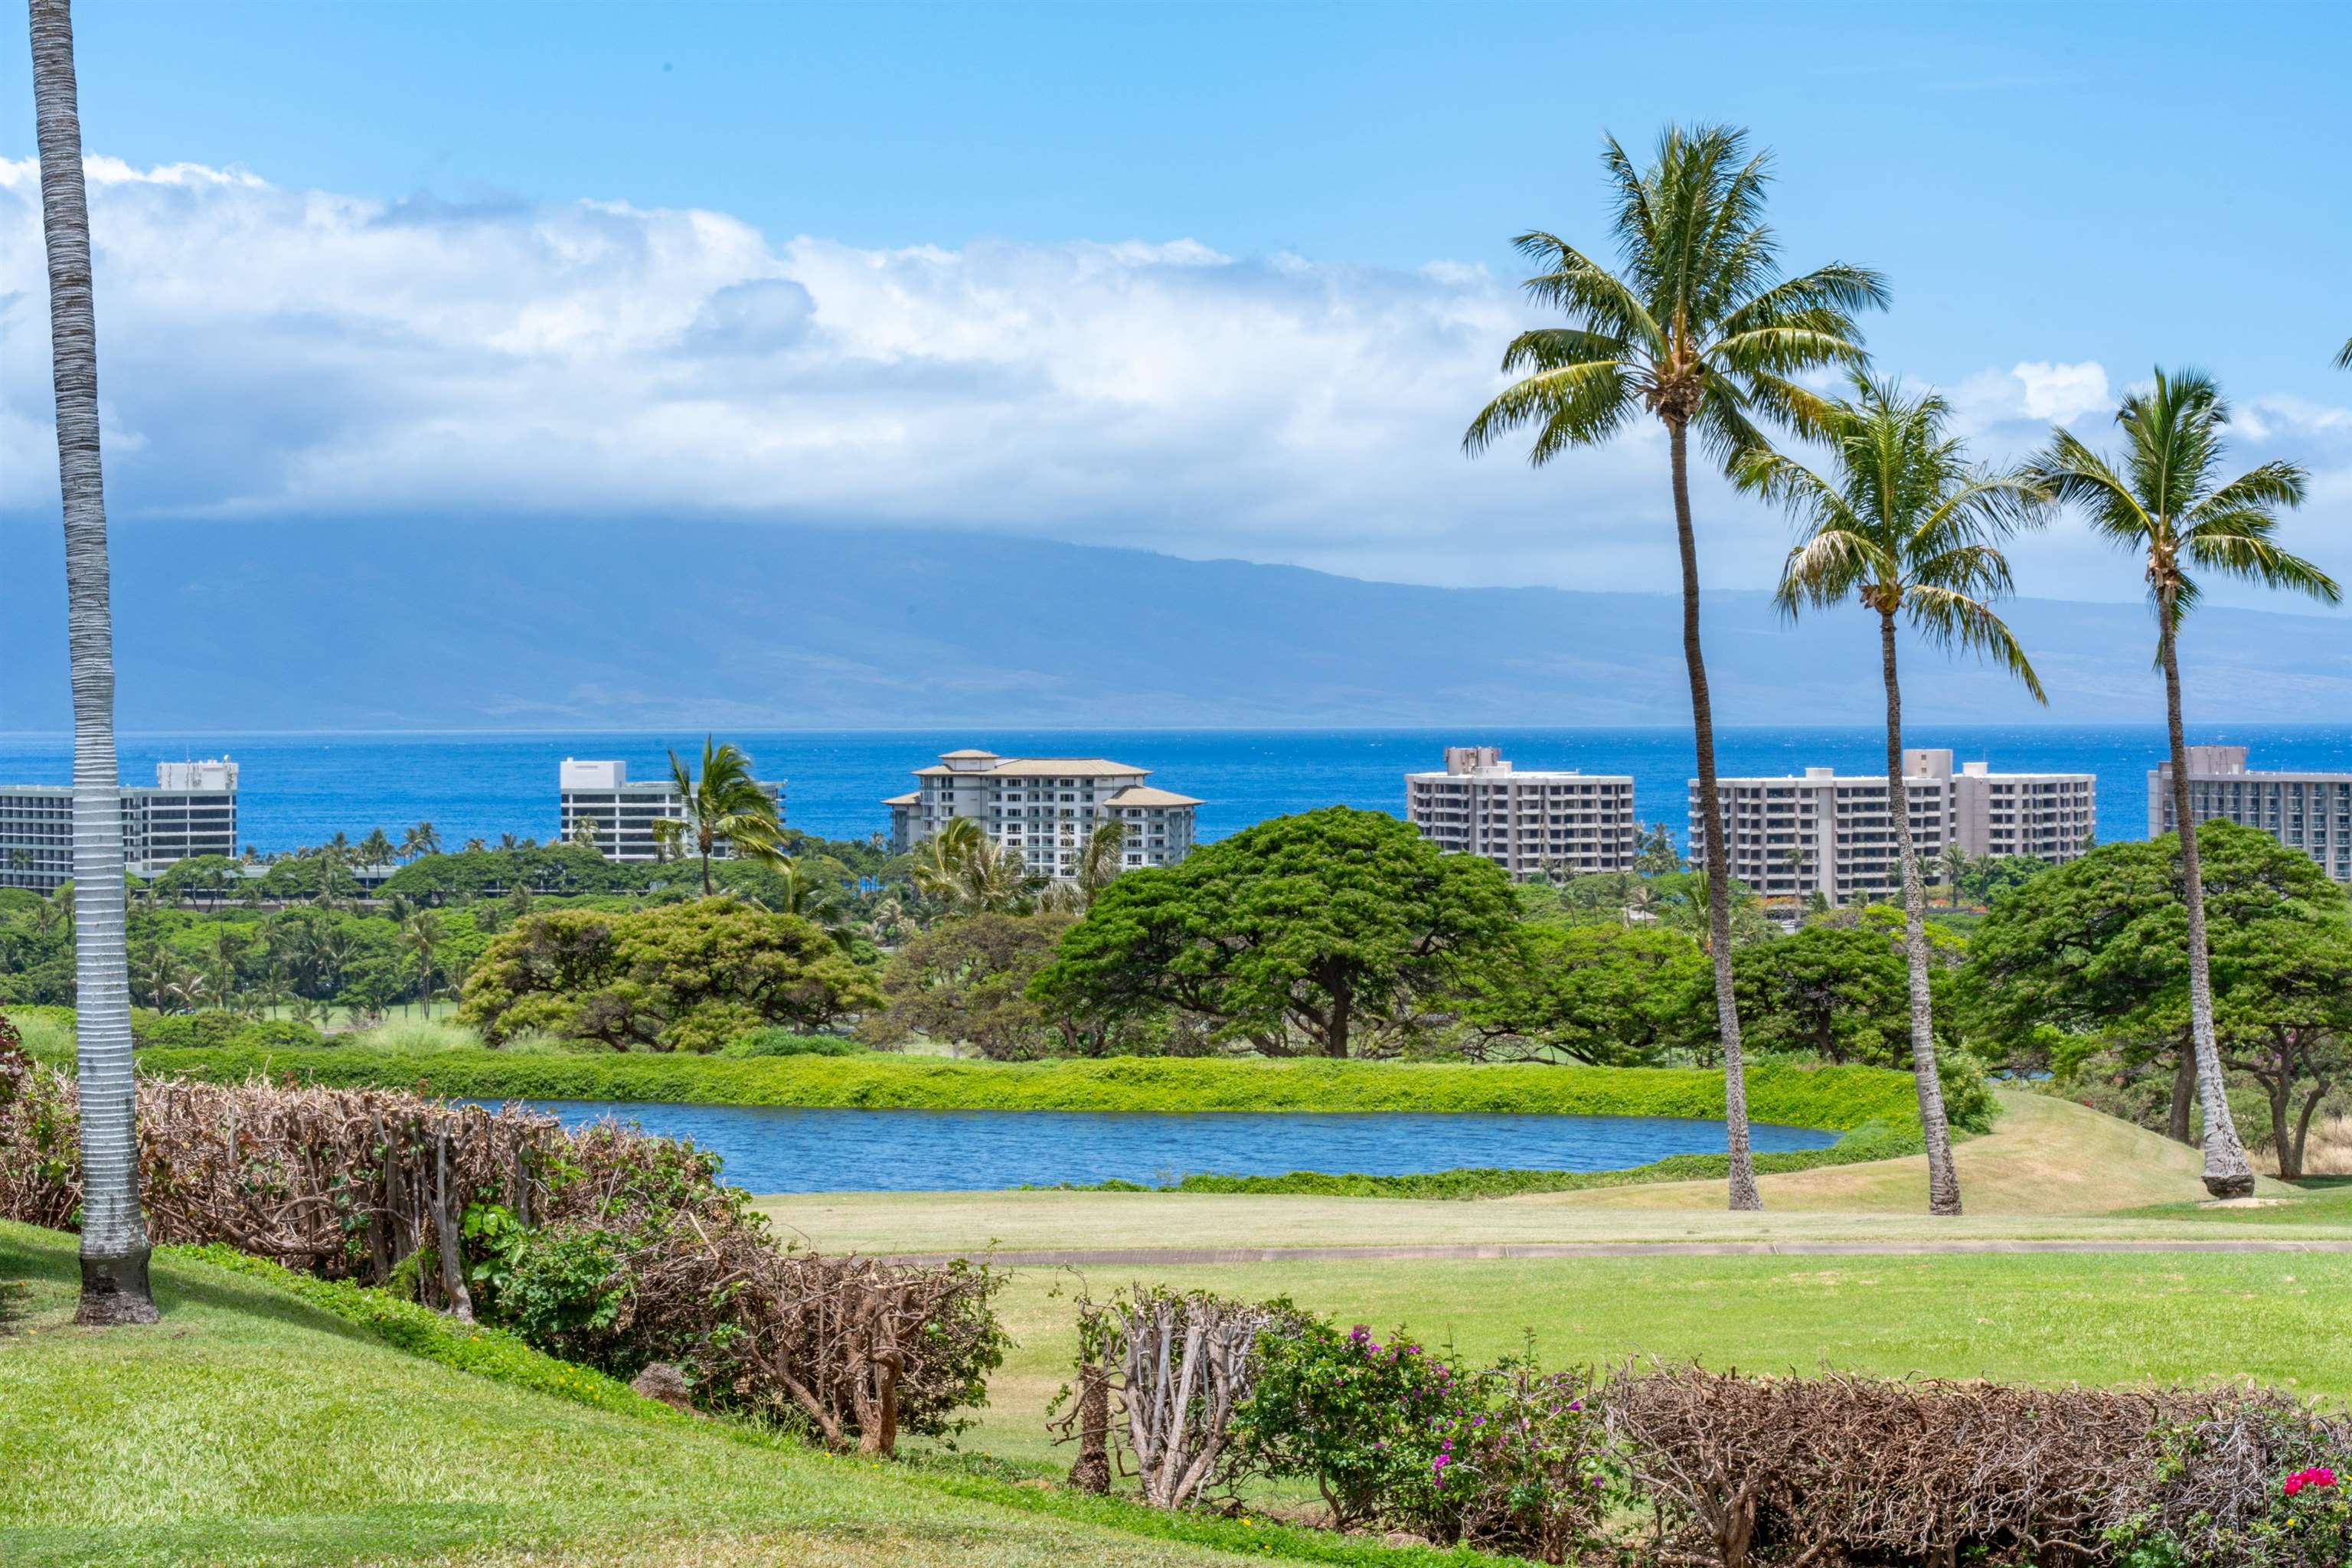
x=1908, y=528
x=1702, y=331
x=2094, y=955
x=688, y=976
x=1340, y=928
x=1608, y=994
x=2170, y=507
x=725, y=809
x=2283, y=1016
x=967, y=981
x=1835, y=993
x=114, y=1248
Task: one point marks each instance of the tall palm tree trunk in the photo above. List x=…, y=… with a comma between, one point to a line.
x=114, y=1233
x=1943, y=1177
x=1744, y=1195
x=2227, y=1174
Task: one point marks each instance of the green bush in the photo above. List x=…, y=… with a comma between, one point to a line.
x=787, y=1043
x=1345, y=1411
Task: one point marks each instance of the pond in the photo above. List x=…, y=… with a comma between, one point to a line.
x=774, y=1148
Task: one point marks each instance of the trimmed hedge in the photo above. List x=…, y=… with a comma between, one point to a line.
x=1861, y=1145
x=1838, y=1098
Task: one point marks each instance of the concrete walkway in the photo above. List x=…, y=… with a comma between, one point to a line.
x=1475, y=1253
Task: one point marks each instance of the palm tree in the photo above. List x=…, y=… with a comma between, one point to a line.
x=375, y=849
x=2165, y=507
x=1099, y=860
x=420, y=937
x=420, y=840
x=723, y=809
x=971, y=873
x=1701, y=330
x=1910, y=531
x=228, y=946
x=113, y=1248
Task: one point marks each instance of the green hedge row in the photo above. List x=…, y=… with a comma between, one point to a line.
x=1875, y=1141
x=1838, y=1098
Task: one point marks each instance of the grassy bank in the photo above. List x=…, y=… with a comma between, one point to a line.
x=1838, y=1098
x=273, y=1420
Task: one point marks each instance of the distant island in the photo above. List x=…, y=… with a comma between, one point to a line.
x=613, y=625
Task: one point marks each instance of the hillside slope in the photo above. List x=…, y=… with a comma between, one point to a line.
x=655, y=623
x=248, y=1428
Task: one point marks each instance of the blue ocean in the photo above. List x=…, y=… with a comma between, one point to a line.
x=297, y=789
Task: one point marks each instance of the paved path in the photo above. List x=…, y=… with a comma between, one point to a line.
x=1472, y=1252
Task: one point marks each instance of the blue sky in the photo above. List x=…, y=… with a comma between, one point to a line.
x=2054, y=192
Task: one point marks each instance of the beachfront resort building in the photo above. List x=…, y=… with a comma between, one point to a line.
x=597, y=803
x=1834, y=833
x=1043, y=808
x=1532, y=824
x=2308, y=811
x=191, y=811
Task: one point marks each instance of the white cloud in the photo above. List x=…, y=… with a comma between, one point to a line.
x=275, y=351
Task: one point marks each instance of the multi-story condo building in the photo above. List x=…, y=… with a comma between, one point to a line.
x=1045, y=808
x=191, y=811
x=597, y=803
x=1793, y=836
x=1530, y=824
x=2308, y=811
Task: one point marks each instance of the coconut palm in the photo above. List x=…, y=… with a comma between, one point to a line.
x=420, y=937
x=113, y=1248
x=1906, y=528
x=420, y=840
x=1699, y=329
x=1099, y=860
x=2167, y=506
x=723, y=808
x=970, y=873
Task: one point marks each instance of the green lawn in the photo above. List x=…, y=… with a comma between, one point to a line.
x=2048, y=1319
x=248, y=1428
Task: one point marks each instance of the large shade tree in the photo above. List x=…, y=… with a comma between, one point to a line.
x=1903, y=525
x=2167, y=504
x=1699, y=327
x=114, y=1247
x=1332, y=931
x=2089, y=962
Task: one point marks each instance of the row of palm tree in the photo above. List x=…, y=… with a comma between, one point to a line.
x=969, y=873
x=1699, y=329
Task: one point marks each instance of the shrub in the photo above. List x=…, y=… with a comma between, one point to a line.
x=218, y=1030
x=789, y=1043
x=603, y=1245
x=1347, y=1411
x=1518, y=1463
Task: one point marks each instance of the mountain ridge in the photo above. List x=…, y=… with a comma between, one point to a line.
x=654, y=624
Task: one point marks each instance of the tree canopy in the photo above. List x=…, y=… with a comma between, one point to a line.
x=690, y=977
x=1334, y=931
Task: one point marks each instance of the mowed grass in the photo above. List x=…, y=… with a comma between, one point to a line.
x=2050, y=1170
x=248, y=1429
x=2031, y=1318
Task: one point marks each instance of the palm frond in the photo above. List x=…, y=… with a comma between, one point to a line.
x=1950, y=618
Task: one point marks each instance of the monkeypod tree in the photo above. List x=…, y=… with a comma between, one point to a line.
x=1334, y=932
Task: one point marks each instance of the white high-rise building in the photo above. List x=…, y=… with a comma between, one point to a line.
x=1834, y=833
x=2308, y=811
x=598, y=803
x=191, y=811
x=1531, y=823
x=1045, y=808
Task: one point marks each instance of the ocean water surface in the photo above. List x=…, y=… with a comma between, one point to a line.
x=299, y=789
x=775, y=1148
